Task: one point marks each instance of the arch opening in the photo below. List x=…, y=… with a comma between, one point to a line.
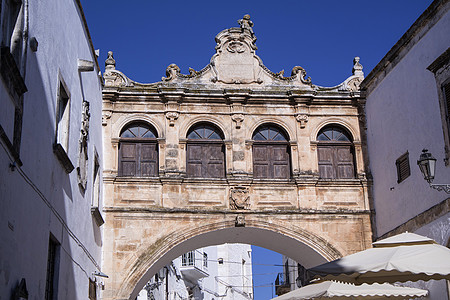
x=303, y=247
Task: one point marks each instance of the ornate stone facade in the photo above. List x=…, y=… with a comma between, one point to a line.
x=153, y=219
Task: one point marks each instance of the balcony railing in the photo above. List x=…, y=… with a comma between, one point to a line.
x=194, y=265
x=282, y=285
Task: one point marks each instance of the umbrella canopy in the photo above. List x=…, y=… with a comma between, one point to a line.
x=404, y=257
x=338, y=290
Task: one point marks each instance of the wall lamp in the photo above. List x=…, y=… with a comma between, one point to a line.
x=427, y=165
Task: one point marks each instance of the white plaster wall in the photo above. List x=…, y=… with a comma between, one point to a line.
x=214, y=286
x=234, y=272
x=403, y=115
x=58, y=27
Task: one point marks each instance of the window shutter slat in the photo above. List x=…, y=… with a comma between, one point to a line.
x=403, y=167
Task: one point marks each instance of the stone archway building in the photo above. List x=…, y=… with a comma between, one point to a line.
x=230, y=153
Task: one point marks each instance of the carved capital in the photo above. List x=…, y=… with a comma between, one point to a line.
x=172, y=116
x=238, y=118
x=239, y=197
x=303, y=119
x=248, y=144
x=105, y=116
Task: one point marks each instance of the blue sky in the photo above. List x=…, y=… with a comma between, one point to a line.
x=323, y=37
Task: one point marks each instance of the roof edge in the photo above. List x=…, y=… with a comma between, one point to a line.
x=392, y=57
x=83, y=18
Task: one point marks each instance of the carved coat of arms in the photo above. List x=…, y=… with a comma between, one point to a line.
x=239, y=197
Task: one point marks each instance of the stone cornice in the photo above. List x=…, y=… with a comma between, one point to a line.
x=287, y=212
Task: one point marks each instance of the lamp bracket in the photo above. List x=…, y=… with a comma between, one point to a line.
x=441, y=187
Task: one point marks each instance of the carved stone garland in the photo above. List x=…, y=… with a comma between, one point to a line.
x=83, y=146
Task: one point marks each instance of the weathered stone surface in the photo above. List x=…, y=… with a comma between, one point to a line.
x=152, y=220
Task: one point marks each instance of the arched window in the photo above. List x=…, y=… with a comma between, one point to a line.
x=205, y=157
x=138, y=151
x=271, y=150
x=335, y=153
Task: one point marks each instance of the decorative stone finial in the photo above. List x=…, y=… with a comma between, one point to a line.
x=357, y=67
x=246, y=23
x=110, y=63
x=171, y=72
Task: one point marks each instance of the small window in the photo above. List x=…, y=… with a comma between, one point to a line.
x=403, y=169
x=138, y=151
x=12, y=24
x=441, y=70
x=205, y=152
x=95, y=206
x=446, y=102
x=63, y=117
x=271, y=153
x=52, y=270
x=205, y=259
x=92, y=290
x=188, y=259
x=61, y=145
x=96, y=183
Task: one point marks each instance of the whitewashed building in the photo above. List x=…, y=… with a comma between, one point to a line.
x=407, y=108
x=214, y=272
x=50, y=154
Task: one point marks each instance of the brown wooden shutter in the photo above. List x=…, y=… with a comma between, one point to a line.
x=213, y=161
x=261, y=161
x=271, y=161
x=344, y=162
x=148, y=159
x=280, y=161
x=128, y=159
x=403, y=168
x=325, y=157
x=194, y=160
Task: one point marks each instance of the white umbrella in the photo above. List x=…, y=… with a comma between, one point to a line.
x=404, y=257
x=338, y=290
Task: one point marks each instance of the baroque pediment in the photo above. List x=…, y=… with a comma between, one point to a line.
x=235, y=65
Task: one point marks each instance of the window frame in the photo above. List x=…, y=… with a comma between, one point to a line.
x=12, y=23
x=402, y=165
x=52, y=275
x=270, y=146
x=62, y=126
x=335, y=160
x=206, y=145
x=440, y=67
x=138, y=142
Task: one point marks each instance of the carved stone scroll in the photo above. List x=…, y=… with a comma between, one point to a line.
x=303, y=119
x=238, y=118
x=172, y=116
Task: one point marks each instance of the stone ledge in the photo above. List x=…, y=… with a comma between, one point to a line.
x=115, y=209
